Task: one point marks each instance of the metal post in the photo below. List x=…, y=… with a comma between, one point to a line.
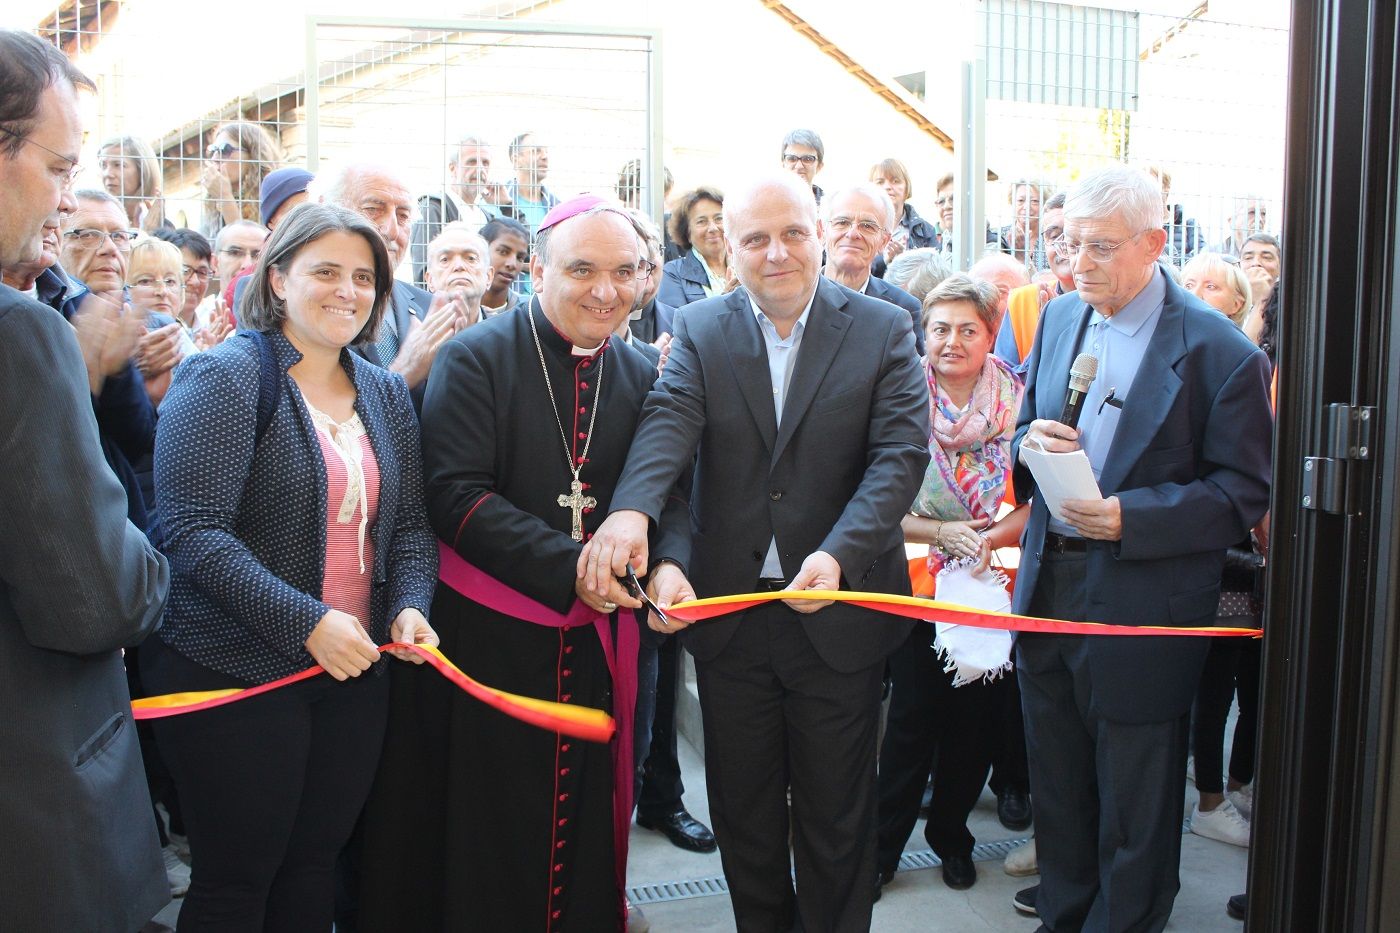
x=969, y=204
x=656, y=170
x=312, y=103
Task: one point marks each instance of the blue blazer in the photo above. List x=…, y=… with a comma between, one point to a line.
x=245, y=520
x=682, y=281
x=1190, y=465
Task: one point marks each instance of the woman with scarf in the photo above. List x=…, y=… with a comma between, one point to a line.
x=932, y=726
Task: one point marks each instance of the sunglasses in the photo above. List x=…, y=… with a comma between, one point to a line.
x=222, y=151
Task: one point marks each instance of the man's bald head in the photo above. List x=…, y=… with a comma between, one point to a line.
x=766, y=188
x=1002, y=271
x=459, y=260
x=775, y=238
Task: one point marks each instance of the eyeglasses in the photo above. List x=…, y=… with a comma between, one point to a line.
x=222, y=150
x=238, y=252
x=943, y=200
x=867, y=228
x=73, y=167
x=622, y=275
x=203, y=273
x=91, y=238
x=792, y=159
x=151, y=283
x=1098, y=252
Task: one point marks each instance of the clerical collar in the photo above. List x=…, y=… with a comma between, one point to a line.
x=555, y=339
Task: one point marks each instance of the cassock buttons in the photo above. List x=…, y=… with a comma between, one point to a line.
x=564, y=748
x=564, y=699
x=582, y=435
x=582, y=410
x=568, y=649
x=566, y=673
x=775, y=495
x=583, y=385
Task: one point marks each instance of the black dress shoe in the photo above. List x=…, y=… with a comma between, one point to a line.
x=881, y=879
x=1237, y=905
x=1014, y=809
x=959, y=873
x=684, y=831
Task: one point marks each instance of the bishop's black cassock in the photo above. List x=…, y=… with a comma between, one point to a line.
x=477, y=821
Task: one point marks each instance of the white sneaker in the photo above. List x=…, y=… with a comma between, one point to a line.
x=1223, y=824
x=181, y=845
x=1020, y=862
x=1243, y=799
x=176, y=872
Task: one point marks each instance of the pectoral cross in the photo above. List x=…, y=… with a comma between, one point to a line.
x=577, y=502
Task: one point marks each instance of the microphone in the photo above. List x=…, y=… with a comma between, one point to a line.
x=1081, y=376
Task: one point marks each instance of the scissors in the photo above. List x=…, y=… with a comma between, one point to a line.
x=634, y=587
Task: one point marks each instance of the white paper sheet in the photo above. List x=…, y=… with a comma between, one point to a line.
x=1060, y=476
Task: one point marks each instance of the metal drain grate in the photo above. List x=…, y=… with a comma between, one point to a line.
x=643, y=894
x=676, y=890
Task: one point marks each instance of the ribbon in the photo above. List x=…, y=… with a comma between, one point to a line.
x=485, y=590
x=581, y=722
x=915, y=607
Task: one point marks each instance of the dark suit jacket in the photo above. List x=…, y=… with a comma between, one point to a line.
x=78, y=582
x=1190, y=467
x=682, y=281
x=405, y=302
x=886, y=291
x=837, y=476
x=657, y=319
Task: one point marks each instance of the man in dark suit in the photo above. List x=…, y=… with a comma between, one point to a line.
x=78, y=581
x=416, y=324
x=1177, y=429
x=809, y=411
x=857, y=223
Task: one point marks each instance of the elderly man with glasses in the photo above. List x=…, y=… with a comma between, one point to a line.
x=80, y=582
x=1176, y=428
x=858, y=221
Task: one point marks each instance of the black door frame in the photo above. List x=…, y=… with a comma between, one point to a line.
x=1327, y=827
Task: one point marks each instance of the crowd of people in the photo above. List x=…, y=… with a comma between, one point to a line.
x=244, y=450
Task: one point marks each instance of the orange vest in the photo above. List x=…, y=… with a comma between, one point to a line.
x=1023, y=312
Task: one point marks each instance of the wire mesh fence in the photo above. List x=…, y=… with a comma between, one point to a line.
x=1205, y=104
x=1196, y=100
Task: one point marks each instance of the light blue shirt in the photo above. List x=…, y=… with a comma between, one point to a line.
x=782, y=358
x=1119, y=343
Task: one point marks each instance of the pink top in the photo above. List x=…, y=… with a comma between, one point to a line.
x=352, y=500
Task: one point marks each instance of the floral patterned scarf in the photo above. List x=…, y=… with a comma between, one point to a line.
x=971, y=449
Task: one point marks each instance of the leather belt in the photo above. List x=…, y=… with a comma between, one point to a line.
x=1063, y=544
x=771, y=585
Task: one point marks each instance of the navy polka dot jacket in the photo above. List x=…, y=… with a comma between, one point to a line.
x=245, y=520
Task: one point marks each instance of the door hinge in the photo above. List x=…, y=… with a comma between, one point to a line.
x=1348, y=432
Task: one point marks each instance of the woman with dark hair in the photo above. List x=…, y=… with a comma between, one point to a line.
x=697, y=227
x=289, y=477
x=910, y=230
x=131, y=174
x=934, y=725
x=508, y=246
x=239, y=159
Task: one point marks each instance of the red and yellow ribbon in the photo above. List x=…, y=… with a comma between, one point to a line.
x=580, y=722
x=915, y=607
